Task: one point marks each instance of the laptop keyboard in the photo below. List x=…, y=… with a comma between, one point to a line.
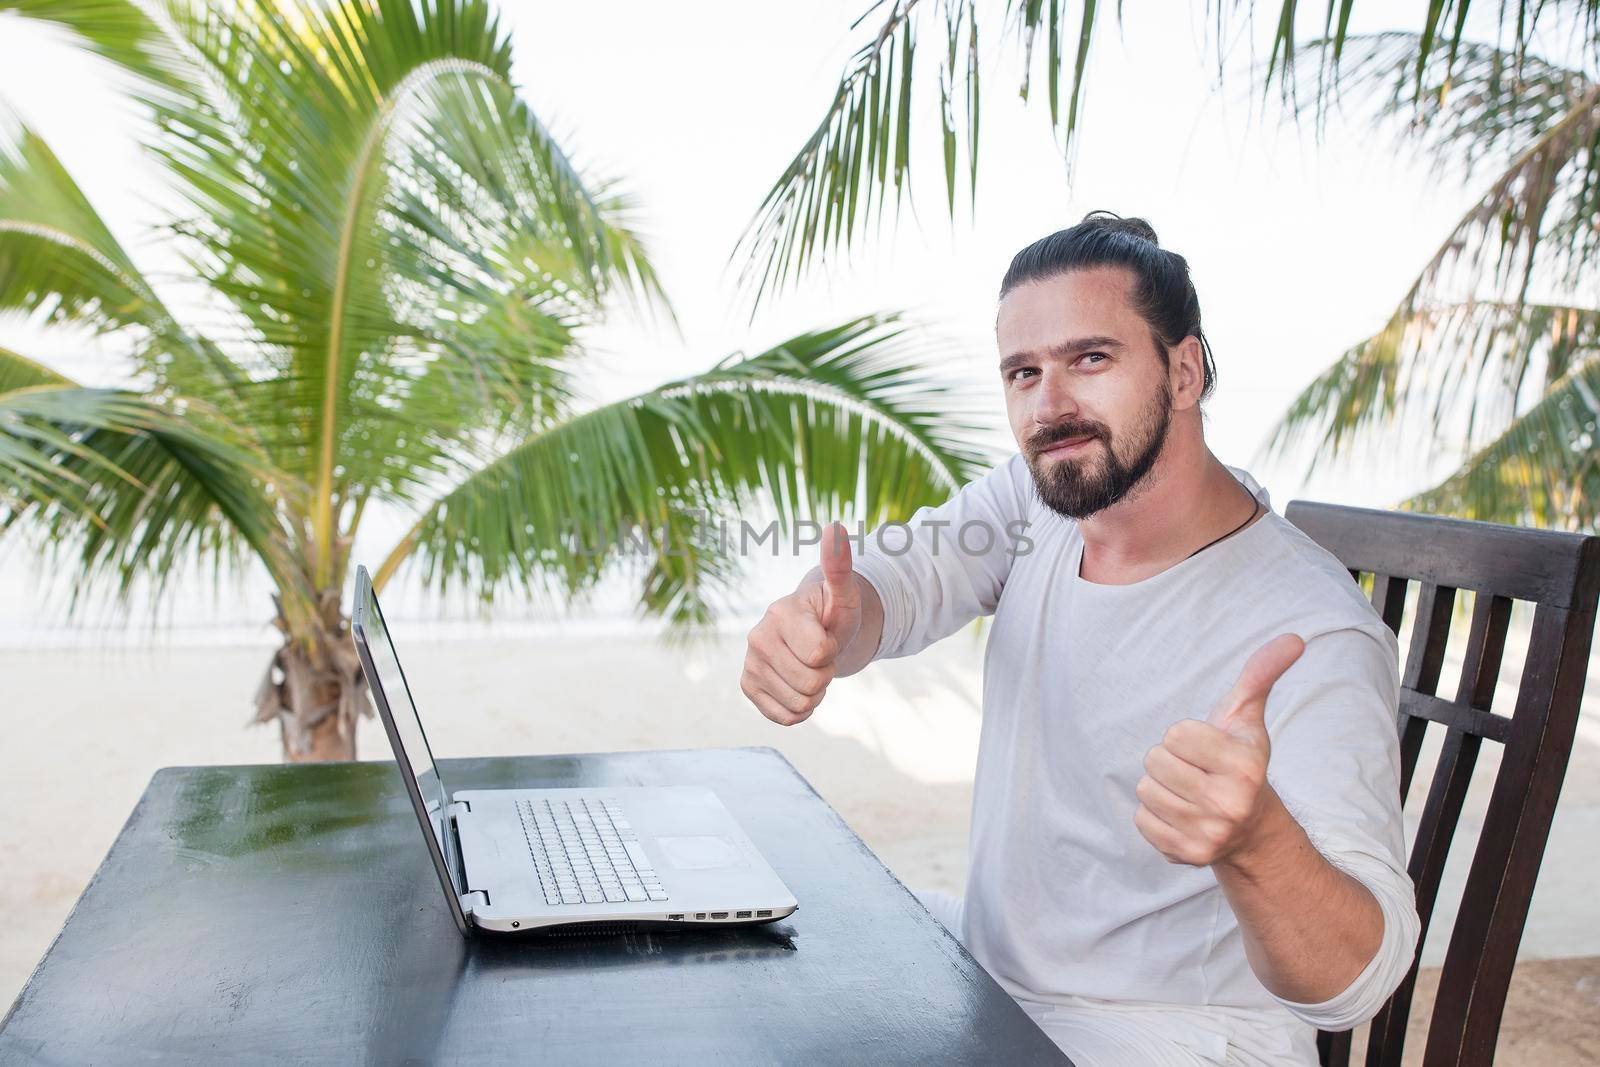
x=587, y=853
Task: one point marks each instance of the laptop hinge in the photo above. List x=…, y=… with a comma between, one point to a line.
x=473, y=897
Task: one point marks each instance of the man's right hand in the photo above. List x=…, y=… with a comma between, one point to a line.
x=794, y=651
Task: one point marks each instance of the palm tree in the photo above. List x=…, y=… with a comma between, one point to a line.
x=389, y=267
x=1491, y=360
x=1491, y=350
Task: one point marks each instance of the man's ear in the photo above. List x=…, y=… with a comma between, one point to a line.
x=1188, y=373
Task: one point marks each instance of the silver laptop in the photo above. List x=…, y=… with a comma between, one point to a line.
x=610, y=858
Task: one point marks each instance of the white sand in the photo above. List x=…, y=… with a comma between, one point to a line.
x=892, y=750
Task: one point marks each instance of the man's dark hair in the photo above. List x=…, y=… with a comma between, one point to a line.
x=1163, y=293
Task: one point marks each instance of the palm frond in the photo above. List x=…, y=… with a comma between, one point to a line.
x=60, y=263
x=57, y=258
x=28, y=450
x=838, y=184
x=1536, y=123
x=19, y=372
x=1491, y=102
x=118, y=487
x=862, y=144
x=835, y=422
x=1543, y=469
x=1456, y=374
x=138, y=37
x=1438, y=42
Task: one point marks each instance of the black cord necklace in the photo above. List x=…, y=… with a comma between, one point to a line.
x=1253, y=511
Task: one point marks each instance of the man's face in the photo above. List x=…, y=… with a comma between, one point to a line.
x=1086, y=388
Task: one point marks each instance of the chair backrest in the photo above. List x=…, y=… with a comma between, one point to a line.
x=1559, y=573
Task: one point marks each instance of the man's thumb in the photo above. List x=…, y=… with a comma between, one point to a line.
x=838, y=585
x=1244, y=709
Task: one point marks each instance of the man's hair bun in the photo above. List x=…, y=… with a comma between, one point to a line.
x=1110, y=222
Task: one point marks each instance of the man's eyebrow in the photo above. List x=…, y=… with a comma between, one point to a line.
x=1064, y=348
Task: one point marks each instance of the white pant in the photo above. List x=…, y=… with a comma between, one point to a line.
x=1114, y=1033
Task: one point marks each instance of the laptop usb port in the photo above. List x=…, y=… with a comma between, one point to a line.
x=765, y=913
x=674, y=916
x=742, y=915
x=719, y=915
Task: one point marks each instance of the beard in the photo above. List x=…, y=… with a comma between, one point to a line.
x=1077, y=486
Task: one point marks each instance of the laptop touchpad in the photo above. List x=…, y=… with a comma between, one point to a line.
x=701, y=852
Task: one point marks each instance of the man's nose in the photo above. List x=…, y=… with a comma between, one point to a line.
x=1054, y=399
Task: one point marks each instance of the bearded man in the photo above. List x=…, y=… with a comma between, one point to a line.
x=1186, y=839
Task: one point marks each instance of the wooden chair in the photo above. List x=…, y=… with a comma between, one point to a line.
x=1560, y=574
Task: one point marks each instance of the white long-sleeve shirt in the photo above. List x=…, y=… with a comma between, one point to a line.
x=1066, y=904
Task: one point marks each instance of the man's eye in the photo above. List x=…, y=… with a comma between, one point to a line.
x=1095, y=356
x=1022, y=372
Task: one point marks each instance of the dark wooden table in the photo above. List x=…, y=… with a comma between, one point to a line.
x=251, y=914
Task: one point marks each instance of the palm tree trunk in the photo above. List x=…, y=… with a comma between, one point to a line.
x=315, y=691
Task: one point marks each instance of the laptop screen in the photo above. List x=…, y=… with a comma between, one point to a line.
x=393, y=697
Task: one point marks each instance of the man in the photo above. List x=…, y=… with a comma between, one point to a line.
x=1186, y=837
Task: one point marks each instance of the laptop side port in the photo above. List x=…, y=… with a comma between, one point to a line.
x=742, y=915
x=675, y=916
x=699, y=915
x=719, y=915
x=764, y=913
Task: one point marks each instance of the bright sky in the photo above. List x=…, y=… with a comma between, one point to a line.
x=1298, y=250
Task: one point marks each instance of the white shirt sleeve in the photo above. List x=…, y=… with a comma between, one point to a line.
x=947, y=565
x=1336, y=764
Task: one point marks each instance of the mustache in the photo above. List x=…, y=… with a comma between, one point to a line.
x=1046, y=436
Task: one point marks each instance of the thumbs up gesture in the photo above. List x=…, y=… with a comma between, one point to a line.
x=1205, y=790
x=792, y=653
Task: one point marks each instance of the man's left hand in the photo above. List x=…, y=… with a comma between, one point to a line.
x=1204, y=796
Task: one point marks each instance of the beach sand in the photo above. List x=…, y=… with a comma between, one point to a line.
x=892, y=750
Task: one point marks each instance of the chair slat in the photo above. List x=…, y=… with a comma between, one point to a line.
x=1486, y=646
x=1413, y=730
x=1389, y=599
x=1437, y=827
x=1449, y=713
x=1333, y=1049
x=1429, y=632
x=1424, y=661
